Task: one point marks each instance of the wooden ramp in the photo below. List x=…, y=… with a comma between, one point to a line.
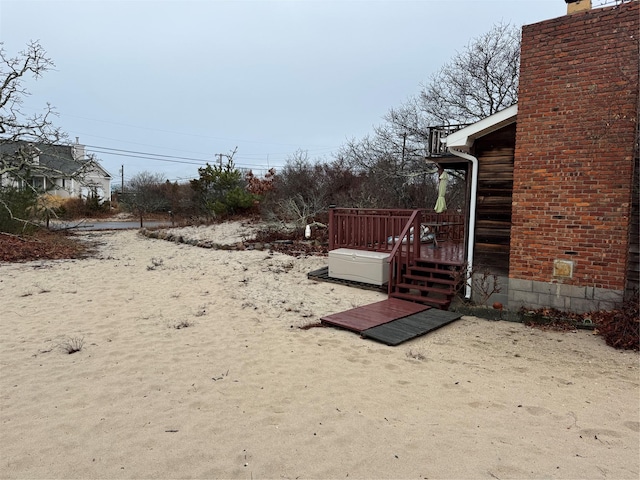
x=403, y=329
x=391, y=321
x=368, y=316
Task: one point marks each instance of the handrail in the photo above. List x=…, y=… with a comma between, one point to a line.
x=396, y=264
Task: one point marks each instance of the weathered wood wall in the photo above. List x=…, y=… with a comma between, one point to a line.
x=495, y=154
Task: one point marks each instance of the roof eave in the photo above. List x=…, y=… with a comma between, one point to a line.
x=463, y=139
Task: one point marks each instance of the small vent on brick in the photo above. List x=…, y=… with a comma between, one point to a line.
x=563, y=268
x=570, y=252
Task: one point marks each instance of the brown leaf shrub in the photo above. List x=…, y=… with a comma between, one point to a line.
x=620, y=328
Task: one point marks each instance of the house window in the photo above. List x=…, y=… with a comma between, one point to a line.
x=64, y=183
x=38, y=183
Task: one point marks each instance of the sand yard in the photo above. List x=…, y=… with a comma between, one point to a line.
x=193, y=366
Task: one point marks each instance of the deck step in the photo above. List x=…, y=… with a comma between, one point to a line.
x=422, y=278
x=424, y=288
x=435, y=269
x=442, y=303
x=449, y=263
x=429, y=282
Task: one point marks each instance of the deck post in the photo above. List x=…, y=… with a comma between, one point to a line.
x=331, y=227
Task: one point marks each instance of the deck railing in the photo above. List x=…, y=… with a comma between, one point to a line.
x=390, y=230
x=435, y=146
x=378, y=229
x=365, y=228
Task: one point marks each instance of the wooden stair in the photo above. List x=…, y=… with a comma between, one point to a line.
x=430, y=282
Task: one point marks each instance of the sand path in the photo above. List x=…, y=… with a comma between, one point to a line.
x=193, y=367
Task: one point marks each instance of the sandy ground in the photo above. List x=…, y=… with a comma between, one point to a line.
x=192, y=366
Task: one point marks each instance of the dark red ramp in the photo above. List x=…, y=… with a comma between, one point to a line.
x=369, y=316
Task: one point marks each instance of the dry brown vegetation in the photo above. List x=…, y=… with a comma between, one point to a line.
x=620, y=327
x=40, y=245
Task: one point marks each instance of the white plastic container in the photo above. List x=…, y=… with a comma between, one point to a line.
x=359, y=266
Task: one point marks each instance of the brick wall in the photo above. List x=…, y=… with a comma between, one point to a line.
x=577, y=114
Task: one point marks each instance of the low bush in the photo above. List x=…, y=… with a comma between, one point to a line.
x=620, y=328
x=74, y=208
x=17, y=207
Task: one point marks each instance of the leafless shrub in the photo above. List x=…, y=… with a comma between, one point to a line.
x=484, y=284
x=72, y=345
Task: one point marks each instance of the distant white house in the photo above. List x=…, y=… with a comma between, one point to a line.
x=64, y=171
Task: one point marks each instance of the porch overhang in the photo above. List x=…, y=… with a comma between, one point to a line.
x=463, y=139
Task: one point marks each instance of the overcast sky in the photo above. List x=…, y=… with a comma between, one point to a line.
x=190, y=79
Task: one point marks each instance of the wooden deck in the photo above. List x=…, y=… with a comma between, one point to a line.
x=448, y=252
x=426, y=269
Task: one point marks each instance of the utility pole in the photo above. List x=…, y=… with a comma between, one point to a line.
x=404, y=145
x=122, y=178
x=219, y=155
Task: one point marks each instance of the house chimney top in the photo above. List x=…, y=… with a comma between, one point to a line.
x=574, y=6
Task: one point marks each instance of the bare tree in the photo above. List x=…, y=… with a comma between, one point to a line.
x=478, y=82
x=145, y=194
x=14, y=123
x=21, y=133
x=303, y=189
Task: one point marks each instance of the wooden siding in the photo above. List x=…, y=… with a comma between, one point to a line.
x=495, y=153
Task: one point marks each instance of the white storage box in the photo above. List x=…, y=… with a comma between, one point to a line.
x=359, y=266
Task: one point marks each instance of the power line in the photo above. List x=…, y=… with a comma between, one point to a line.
x=169, y=158
x=151, y=156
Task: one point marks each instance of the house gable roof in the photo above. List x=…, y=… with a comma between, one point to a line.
x=58, y=158
x=463, y=139
x=91, y=165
